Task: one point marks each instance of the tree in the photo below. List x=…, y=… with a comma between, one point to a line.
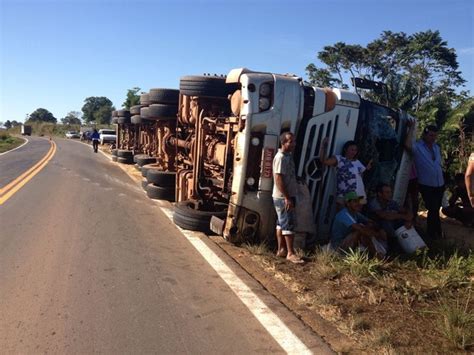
x=97, y=109
x=413, y=67
x=16, y=123
x=132, y=98
x=42, y=115
x=72, y=118
x=8, y=124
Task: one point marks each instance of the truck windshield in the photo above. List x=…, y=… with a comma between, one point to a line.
x=378, y=140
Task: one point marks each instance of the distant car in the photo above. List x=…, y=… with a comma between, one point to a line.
x=107, y=136
x=72, y=134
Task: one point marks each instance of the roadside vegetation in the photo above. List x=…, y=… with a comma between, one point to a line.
x=8, y=142
x=412, y=304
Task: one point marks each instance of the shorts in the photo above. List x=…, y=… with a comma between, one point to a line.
x=285, y=219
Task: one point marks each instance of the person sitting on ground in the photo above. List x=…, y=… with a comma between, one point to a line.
x=388, y=213
x=460, y=210
x=349, y=170
x=351, y=229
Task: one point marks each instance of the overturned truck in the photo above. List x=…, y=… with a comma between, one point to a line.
x=227, y=133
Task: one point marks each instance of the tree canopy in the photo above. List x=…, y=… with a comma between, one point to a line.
x=132, y=98
x=97, y=109
x=72, y=118
x=414, y=68
x=42, y=115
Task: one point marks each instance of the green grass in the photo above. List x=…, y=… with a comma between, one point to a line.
x=8, y=142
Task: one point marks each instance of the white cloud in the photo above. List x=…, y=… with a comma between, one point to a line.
x=469, y=50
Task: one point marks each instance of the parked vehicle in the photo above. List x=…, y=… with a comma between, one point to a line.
x=72, y=134
x=107, y=136
x=25, y=130
x=225, y=148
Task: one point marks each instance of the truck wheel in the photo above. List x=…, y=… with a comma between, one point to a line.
x=123, y=120
x=161, y=178
x=135, y=110
x=210, y=86
x=187, y=217
x=144, y=99
x=122, y=160
x=125, y=154
x=164, y=96
x=147, y=167
x=160, y=192
x=144, y=111
x=136, y=119
x=123, y=113
x=145, y=160
x=162, y=112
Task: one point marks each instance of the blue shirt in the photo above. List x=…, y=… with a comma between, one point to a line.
x=428, y=170
x=95, y=135
x=342, y=225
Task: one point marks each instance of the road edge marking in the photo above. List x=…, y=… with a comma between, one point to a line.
x=277, y=329
x=19, y=183
x=11, y=150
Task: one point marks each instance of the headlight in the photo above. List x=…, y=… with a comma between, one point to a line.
x=250, y=181
x=265, y=89
x=263, y=104
x=255, y=141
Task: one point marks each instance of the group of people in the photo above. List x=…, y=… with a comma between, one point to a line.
x=373, y=230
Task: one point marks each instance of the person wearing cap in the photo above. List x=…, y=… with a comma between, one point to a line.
x=351, y=229
x=427, y=158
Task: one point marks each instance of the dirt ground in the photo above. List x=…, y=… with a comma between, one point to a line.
x=394, y=312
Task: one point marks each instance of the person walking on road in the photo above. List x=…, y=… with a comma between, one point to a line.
x=284, y=197
x=95, y=140
x=427, y=158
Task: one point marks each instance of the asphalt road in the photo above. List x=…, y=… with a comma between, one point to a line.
x=88, y=264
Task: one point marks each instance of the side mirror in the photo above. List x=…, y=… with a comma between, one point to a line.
x=314, y=169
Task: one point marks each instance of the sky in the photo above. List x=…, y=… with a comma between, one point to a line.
x=54, y=54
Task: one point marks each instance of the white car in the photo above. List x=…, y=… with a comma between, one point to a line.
x=72, y=134
x=107, y=136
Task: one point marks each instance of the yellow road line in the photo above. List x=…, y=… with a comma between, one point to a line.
x=19, y=178
x=31, y=173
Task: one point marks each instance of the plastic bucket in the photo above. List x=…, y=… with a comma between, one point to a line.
x=409, y=239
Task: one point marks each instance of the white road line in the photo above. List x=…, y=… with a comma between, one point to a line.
x=11, y=150
x=290, y=343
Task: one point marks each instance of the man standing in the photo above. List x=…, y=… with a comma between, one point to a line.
x=427, y=158
x=284, y=197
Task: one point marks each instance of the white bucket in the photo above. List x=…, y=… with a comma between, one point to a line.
x=409, y=239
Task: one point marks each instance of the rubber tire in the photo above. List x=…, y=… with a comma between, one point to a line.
x=124, y=120
x=144, y=183
x=164, y=96
x=114, y=152
x=114, y=158
x=161, y=178
x=144, y=111
x=144, y=161
x=114, y=120
x=137, y=156
x=208, y=86
x=144, y=99
x=125, y=154
x=127, y=161
x=160, y=193
x=136, y=119
x=162, y=112
x=147, y=167
x=135, y=110
x=114, y=113
x=186, y=217
x=123, y=113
